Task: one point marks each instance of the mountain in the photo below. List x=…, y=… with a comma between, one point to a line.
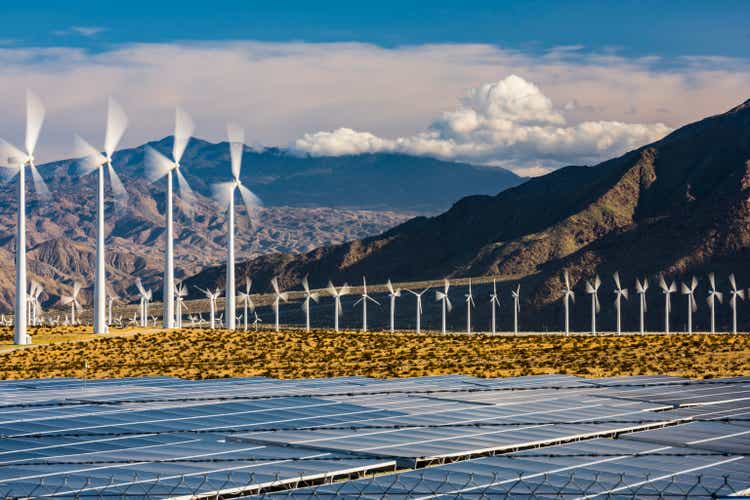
x=310, y=202
x=678, y=206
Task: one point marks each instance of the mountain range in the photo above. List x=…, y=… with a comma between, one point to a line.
x=679, y=206
x=309, y=202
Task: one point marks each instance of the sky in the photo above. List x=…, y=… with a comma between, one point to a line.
x=529, y=85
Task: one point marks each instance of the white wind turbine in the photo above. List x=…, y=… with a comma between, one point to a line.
x=17, y=160
x=418, y=295
x=494, y=303
x=393, y=294
x=736, y=294
x=363, y=299
x=713, y=296
x=620, y=293
x=337, y=309
x=212, y=297
x=36, y=293
x=692, y=305
x=568, y=296
x=160, y=166
x=593, y=290
x=306, y=303
x=110, y=299
x=92, y=160
x=72, y=299
x=469, y=304
x=277, y=297
x=667, y=290
x=224, y=194
x=516, y=306
x=180, y=292
x=446, y=302
x=256, y=321
x=640, y=288
x=146, y=296
x=247, y=301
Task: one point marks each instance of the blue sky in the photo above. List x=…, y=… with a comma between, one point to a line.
x=527, y=85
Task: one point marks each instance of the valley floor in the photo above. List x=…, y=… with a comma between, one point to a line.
x=202, y=353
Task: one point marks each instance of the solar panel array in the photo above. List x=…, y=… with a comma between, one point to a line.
x=167, y=437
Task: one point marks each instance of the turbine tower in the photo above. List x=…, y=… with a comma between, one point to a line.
x=692, y=305
x=363, y=299
x=393, y=294
x=469, y=304
x=92, y=160
x=620, y=293
x=337, y=309
x=224, y=193
x=713, y=296
x=640, y=288
x=159, y=166
x=667, y=290
x=306, y=304
x=247, y=302
x=736, y=294
x=17, y=160
x=516, y=306
x=494, y=304
x=418, y=295
x=593, y=290
x=568, y=296
x=443, y=297
x=278, y=296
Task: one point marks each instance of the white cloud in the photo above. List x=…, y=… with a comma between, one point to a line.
x=87, y=31
x=509, y=122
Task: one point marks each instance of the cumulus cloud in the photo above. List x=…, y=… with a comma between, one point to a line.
x=509, y=122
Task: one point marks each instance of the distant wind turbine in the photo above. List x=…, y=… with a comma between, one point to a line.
x=667, y=290
x=180, y=292
x=337, y=309
x=516, y=294
x=72, y=299
x=393, y=294
x=212, y=297
x=92, y=160
x=494, y=304
x=363, y=299
x=620, y=293
x=469, y=305
x=593, y=290
x=110, y=299
x=640, y=288
x=146, y=296
x=17, y=160
x=446, y=302
x=247, y=301
x=568, y=297
x=159, y=166
x=736, y=294
x=224, y=193
x=713, y=296
x=278, y=296
x=692, y=305
x=309, y=295
x=418, y=295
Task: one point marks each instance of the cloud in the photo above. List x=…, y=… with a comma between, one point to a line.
x=281, y=91
x=509, y=122
x=87, y=31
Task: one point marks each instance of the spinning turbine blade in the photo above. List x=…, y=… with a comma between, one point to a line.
x=251, y=201
x=118, y=189
x=39, y=185
x=157, y=165
x=616, y=277
x=90, y=157
x=34, y=120
x=117, y=122
x=236, y=146
x=222, y=192
x=183, y=130
x=10, y=156
x=186, y=192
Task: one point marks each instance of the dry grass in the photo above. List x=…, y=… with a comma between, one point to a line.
x=294, y=353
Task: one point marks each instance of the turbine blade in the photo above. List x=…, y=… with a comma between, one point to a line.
x=156, y=165
x=732, y=282
x=693, y=305
x=183, y=130
x=693, y=283
x=117, y=122
x=344, y=290
x=672, y=287
x=89, y=157
x=118, y=189
x=141, y=290
x=34, y=120
x=684, y=289
x=719, y=296
x=566, y=279
x=589, y=288
x=10, y=156
x=663, y=284
x=597, y=305
x=597, y=282
x=389, y=285
x=712, y=281
x=275, y=285
x=222, y=192
x=332, y=289
x=305, y=284
x=186, y=192
x=252, y=202
x=625, y=293
x=284, y=296
x=315, y=296
x=40, y=186
x=638, y=286
x=448, y=304
x=616, y=277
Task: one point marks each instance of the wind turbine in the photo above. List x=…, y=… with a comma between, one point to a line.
x=160, y=166
x=306, y=304
x=713, y=296
x=92, y=160
x=443, y=296
x=36, y=292
x=17, y=160
x=640, y=288
x=224, y=193
x=494, y=303
x=256, y=320
x=277, y=296
x=180, y=292
x=736, y=294
x=418, y=295
x=516, y=306
x=363, y=299
x=620, y=293
x=667, y=290
x=146, y=296
x=247, y=302
x=593, y=290
x=469, y=304
x=337, y=309
x=393, y=294
x=211, y=296
x=72, y=299
x=692, y=305
x=568, y=296
x=110, y=299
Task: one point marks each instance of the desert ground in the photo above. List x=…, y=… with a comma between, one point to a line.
x=292, y=353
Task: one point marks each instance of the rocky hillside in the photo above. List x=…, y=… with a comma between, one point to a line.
x=678, y=206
